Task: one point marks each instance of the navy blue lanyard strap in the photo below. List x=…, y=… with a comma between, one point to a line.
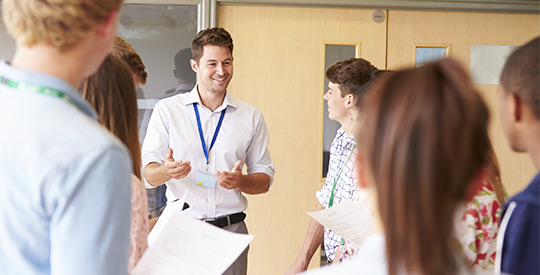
x=196, y=109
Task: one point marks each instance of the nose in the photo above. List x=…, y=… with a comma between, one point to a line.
x=219, y=68
x=325, y=96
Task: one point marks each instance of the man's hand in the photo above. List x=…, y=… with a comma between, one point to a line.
x=233, y=179
x=176, y=169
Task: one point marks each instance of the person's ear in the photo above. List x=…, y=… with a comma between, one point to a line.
x=109, y=28
x=194, y=65
x=516, y=105
x=350, y=101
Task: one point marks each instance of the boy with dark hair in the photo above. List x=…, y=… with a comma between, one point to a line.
x=519, y=94
x=345, y=95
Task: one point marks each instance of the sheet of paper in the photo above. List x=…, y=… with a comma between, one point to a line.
x=164, y=218
x=190, y=246
x=350, y=220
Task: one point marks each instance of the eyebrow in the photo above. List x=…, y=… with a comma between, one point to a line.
x=215, y=60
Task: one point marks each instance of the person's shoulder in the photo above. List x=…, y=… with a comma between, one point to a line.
x=236, y=102
x=168, y=104
x=530, y=195
x=69, y=132
x=244, y=107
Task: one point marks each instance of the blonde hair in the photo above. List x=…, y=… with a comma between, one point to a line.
x=124, y=51
x=57, y=23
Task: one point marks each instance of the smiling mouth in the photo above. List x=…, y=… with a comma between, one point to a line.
x=220, y=80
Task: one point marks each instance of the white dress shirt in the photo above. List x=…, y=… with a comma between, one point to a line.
x=243, y=136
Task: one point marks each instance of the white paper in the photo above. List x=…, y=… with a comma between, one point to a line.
x=190, y=246
x=164, y=218
x=350, y=220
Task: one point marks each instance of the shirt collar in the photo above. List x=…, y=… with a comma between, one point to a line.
x=343, y=135
x=193, y=97
x=48, y=81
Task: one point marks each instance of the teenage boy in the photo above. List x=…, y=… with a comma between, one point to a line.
x=345, y=96
x=65, y=181
x=519, y=95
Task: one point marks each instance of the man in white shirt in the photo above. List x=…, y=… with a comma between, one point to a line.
x=197, y=143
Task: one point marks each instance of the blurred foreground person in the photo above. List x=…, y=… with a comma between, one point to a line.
x=65, y=200
x=112, y=93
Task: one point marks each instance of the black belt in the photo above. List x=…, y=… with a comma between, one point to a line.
x=226, y=220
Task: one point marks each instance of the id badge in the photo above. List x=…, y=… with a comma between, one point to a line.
x=206, y=177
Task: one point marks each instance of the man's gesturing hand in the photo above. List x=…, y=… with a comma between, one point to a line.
x=176, y=169
x=233, y=179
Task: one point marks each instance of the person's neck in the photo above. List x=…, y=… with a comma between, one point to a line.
x=533, y=142
x=209, y=99
x=48, y=60
x=347, y=123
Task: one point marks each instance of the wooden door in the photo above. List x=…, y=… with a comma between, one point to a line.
x=279, y=67
x=458, y=31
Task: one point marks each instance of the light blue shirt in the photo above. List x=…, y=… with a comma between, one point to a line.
x=65, y=184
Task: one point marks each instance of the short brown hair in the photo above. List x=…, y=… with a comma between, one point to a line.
x=521, y=75
x=58, y=23
x=212, y=36
x=122, y=50
x=112, y=94
x=352, y=75
x=423, y=142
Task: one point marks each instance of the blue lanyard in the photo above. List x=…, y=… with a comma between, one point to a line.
x=196, y=109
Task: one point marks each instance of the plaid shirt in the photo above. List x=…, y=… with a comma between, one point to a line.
x=340, y=150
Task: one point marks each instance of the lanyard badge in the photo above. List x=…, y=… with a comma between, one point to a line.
x=206, y=176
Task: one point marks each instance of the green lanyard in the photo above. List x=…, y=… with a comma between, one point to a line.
x=34, y=88
x=331, y=202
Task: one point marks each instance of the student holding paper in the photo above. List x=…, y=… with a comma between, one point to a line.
x=197, y=143
x=424, y=147
x=346, y=80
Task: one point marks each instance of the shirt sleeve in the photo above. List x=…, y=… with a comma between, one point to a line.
x=90, y=221
x=258, y=156
x=521, y=245
x=156, y=142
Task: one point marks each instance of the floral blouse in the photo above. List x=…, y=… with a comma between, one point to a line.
x=139, y=223
x=476, y=228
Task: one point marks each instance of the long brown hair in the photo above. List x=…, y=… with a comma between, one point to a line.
x=423, y=141
x=494, y=175
x=112, y=94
